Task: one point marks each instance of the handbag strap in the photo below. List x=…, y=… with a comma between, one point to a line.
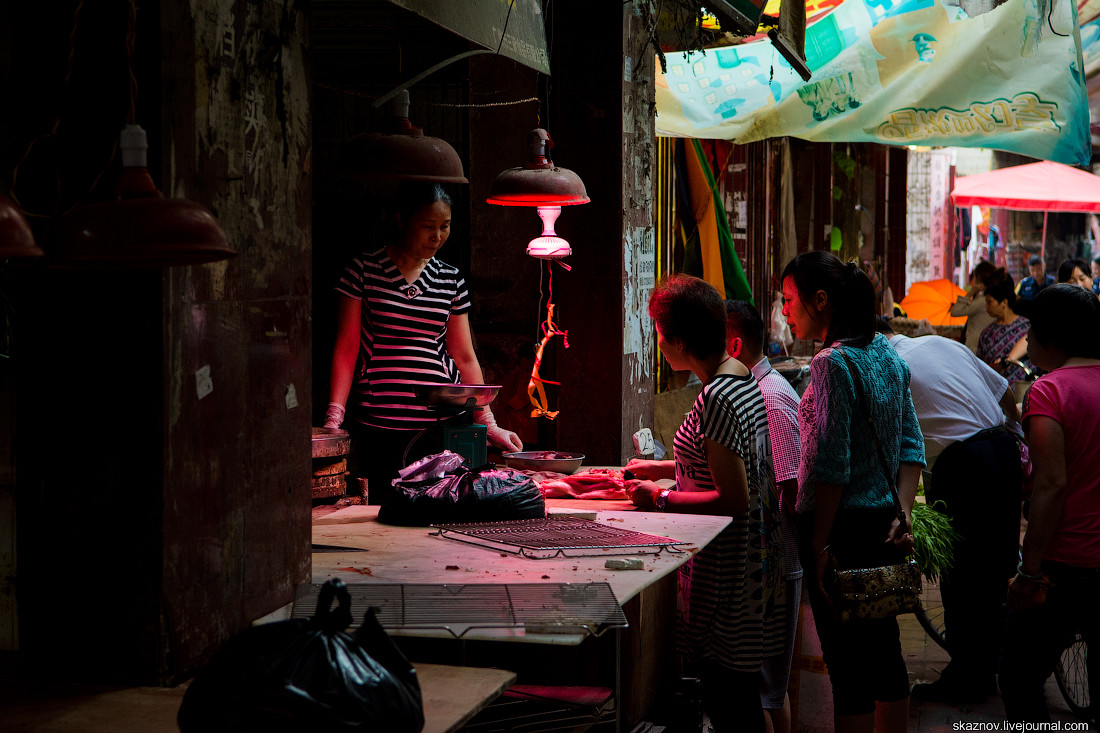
x=862, y=399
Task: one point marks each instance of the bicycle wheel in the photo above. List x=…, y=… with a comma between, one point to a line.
x=1071, y=674
x=931, y=620
x=930, y=615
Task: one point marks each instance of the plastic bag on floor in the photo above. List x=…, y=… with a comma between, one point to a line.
x=307, y=675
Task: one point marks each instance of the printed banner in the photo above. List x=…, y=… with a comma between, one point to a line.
x=998, y=74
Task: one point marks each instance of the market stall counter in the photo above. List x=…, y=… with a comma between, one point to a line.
x=637, y=660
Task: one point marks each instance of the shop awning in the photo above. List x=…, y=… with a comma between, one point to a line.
x=1042, y=186
x=484, y=22
x=1005, y=75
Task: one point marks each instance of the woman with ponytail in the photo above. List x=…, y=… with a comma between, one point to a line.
x=846, y=506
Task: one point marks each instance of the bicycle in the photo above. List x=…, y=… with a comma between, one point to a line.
x=1071, y=673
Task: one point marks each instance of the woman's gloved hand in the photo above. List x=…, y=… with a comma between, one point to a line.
x=334, y=416
x=506, y=440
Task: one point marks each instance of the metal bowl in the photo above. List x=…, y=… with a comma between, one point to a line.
x=455, y=395
x=567, y=463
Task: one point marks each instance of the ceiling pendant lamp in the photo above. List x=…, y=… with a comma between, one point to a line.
x=539, y=182
x=543, y=185
x=402, y=152
x=140, y=228
x=16, y=239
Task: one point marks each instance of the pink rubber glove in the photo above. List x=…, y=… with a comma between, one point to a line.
x=334, y=416
x=496, y=435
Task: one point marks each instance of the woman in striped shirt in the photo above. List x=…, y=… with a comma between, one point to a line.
x=730, y=615
x=403, y=318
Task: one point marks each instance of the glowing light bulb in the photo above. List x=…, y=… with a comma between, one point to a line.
x=549, y=245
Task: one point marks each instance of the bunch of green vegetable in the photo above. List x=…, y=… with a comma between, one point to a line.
x=934, y=538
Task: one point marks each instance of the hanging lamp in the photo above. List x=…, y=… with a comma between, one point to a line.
x=539, y=182
x=16, y=239
x=402, y=151
x=140, y=228
x=543, y=185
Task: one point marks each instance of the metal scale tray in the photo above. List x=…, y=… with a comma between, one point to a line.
x=545, y=608
x=552, y=537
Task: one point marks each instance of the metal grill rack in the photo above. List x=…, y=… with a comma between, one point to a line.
x=541, y=539
x=549, y=608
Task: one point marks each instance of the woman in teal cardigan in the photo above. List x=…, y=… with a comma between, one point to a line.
x=845, y=505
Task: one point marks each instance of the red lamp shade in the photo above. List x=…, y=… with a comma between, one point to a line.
x=141, y=228
x=540, y=182
x=149, y=232
x=403, y=152
x=16, y=239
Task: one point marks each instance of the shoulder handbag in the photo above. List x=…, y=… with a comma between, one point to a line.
x=877, y=592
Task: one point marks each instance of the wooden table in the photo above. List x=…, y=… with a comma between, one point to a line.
x=642, y=653
x=415, y=555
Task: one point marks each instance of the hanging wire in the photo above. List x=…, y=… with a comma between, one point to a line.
x=538, y=318
x=507, y=18
x=69, y=63
x=131, y=116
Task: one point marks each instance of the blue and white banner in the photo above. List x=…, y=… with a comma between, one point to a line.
x=1000, y=74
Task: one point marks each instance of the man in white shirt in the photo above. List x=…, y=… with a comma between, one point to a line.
x=967, y=413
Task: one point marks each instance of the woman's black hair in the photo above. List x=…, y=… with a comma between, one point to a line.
x=1065, y=270
x=1067, y=318
x=411, y=196
x=691, y=310
x=850, y=292
x=1000, y=287
x=983, y=271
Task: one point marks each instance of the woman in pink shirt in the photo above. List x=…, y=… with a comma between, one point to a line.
x=1057, y=589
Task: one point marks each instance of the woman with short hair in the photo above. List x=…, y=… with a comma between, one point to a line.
x=1005, y=339
x=731, y=591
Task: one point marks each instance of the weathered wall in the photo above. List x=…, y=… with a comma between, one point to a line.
x=154, y=521
x=237, y=459
x=639, y=245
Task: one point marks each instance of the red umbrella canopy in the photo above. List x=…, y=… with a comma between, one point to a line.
x=933, y=299
x=1042, y=186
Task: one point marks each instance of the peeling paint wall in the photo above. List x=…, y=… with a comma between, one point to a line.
x=237, y=332
x=639, y=231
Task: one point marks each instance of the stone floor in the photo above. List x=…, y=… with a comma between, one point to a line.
x=925, y=659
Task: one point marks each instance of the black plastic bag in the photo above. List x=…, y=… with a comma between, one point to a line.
x=307, y=675
x=485, y=494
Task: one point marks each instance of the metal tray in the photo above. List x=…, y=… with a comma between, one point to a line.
x=541, y=539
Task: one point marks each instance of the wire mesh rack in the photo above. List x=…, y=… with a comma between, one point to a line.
x=547, y=608
x=557, y=537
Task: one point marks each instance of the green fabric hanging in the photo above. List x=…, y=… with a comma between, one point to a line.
x=737, y=285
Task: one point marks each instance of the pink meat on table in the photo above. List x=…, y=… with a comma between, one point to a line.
x=595, y=483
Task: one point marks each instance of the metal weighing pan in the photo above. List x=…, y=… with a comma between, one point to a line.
x=567, y=463
x=455, y=395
